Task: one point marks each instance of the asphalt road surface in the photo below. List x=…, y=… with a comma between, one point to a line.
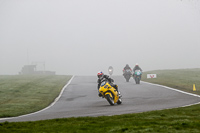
x=80, y=98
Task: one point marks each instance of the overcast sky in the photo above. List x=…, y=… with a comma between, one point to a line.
x=81, y=37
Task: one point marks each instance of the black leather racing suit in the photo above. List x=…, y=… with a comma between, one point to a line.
x=137, y=68
x=109, y=80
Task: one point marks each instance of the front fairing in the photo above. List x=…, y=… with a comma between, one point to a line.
x=128, y=72
x=106, y=88
x=138, y=72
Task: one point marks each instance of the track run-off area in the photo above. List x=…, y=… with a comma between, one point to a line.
x=79, y=98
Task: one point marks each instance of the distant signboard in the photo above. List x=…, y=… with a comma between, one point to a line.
x=151, y=76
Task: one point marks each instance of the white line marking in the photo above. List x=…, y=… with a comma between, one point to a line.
x=46, y=107
x=177, y=91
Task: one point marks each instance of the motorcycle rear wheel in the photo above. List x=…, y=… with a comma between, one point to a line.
x=110, y=99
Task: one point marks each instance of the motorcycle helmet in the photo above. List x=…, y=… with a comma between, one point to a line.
x=100, y=75
x=137, y=64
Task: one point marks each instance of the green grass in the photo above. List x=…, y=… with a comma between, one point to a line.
x=182, y=79
x=178, y=120
x=22, y=94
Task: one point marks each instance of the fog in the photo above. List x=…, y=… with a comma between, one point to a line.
x=82, y=37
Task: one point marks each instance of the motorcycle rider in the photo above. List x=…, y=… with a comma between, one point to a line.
x=127, y=67
x=110, y=67
x=110, y=70
x=101, y=76
x=137, y=67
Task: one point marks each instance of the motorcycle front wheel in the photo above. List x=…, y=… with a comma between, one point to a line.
x=110, y=99
x=136, y=80
x=127, y=78
x=119, y=101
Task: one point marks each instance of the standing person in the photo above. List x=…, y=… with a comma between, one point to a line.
x=101, y=77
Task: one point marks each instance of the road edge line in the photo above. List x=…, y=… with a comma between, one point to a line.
x=56, y=99
x=177, y=91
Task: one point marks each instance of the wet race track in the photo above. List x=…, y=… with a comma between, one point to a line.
x=80, y=98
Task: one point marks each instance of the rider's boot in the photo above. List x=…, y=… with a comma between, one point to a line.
x=119, y=94
x=116, y=87
x=100, y=95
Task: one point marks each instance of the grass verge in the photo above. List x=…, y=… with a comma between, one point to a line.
x=182, y=79
x=178, y=120
x=23, y=94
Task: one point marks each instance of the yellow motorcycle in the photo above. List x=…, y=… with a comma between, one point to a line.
x=110, y=93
